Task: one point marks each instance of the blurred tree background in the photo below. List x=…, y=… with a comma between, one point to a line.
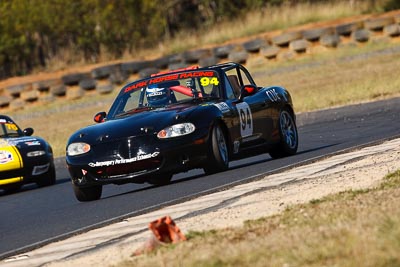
x=34, y=32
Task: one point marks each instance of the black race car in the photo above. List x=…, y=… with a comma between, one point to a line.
x=179, y=120
x=23, y=158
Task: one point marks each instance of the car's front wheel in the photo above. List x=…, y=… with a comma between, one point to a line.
x=289, y=139
x=218, y=157
x=88, y=193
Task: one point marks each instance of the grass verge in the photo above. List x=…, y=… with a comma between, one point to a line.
x=352, y=228
x=267, y=19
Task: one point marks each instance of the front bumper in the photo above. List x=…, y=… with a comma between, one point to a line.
x=31, y=170
x=121, y=162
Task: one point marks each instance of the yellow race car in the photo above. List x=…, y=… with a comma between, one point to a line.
x=23, y=158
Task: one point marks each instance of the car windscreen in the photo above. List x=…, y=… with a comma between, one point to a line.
x=9, y=129
x=163, y=90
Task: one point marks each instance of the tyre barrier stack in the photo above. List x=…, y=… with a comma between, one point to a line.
x=283, y=46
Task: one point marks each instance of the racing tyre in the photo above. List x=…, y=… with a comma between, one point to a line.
x=218, y=157
x=289, y=140
x=89, y=193
x=160, y=179
x=48, y=179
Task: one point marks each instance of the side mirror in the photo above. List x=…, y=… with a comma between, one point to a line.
x=100, y=117
x=28, y=131
x=247, y=90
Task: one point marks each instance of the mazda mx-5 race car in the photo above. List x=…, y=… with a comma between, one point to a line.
x=179, y=120
x=23, y=158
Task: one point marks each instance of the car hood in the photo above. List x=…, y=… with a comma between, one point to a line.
x=140, y=123
x=23, y=142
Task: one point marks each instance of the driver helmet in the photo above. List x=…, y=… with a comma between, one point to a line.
x=190, y=84
x=157, y=96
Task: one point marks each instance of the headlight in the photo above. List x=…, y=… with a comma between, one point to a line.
x=35, y=153
x=176, y=130
x=75, y=149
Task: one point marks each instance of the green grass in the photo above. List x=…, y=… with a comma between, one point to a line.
x=352, y=228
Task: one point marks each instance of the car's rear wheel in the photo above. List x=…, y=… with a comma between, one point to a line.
x=289, y=140
x=88, y=193
x=160, y=179
x=218, y=157
x=49, y=178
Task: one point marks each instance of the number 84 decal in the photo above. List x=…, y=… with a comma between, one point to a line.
x=246, y=119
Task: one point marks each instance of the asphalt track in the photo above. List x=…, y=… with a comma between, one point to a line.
x=37, y=216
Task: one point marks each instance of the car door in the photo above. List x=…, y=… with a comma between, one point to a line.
x=253, y=122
